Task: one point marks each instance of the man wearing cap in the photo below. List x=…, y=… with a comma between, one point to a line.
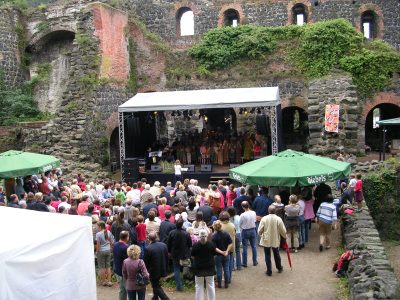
x=156, y=260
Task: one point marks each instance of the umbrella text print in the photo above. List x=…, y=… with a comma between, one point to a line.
x=319, y=178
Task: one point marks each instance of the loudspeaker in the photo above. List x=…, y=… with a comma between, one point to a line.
x=231, y=166
x=189, y=167
x=131, y=164
x=155, y=168
x=262, y=124
x=206, y=168
x=130, y=171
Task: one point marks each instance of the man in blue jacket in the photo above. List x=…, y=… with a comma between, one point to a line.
x=120, y=254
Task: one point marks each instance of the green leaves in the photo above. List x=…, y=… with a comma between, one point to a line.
x=221, y=47
x=372, y=69
x=323, y=44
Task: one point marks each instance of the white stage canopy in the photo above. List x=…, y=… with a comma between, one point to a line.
x=202, y=99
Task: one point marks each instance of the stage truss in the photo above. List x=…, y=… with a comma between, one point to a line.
x=270, y=111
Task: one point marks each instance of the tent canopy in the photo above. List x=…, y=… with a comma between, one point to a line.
x=389, y=122
x=46, y=256
x=202, y=99
x=17, y=163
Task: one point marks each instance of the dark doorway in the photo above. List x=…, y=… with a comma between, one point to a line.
x=383, y=111
x=295, y=128
x=114, y=148
x=140, y=133
x=220, y=119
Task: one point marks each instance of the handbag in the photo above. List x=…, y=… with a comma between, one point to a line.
x=141, y=280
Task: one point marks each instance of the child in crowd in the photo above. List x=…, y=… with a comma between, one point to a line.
x=141, y=234
x=193, y=237
x=358, y=192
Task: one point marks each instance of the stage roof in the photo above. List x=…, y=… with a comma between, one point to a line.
x=200, y=99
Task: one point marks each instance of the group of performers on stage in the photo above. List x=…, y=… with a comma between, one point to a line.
x=211, y=147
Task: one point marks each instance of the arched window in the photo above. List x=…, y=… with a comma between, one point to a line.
x=231, y=18
x=368, y=24
x=299, y=12
x=185, y=21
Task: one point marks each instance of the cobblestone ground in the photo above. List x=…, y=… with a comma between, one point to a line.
x=311, y=277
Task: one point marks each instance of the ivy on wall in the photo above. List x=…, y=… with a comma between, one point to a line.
x=315, y=50
x=382, y=197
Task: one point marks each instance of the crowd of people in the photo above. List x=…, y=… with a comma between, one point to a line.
x=144, y=231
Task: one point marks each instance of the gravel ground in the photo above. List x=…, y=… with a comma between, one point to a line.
x=311, y=277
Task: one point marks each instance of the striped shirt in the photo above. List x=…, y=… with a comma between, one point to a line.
x=327, y=213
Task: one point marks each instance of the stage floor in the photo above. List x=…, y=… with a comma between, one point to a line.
x=204, y=178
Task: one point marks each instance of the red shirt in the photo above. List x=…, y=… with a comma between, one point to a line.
x=230, y=196
x=82, y=207
x=82, y=186
x=141, y=232
x=55, y=204
x=161, y=211
x=358, y=186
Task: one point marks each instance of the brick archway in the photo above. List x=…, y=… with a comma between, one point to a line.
x=234, y=6
x=381, y=98
x=379, y=22
x=307, y=5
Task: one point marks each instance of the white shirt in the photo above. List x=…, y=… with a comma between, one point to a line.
x=352, y=183
x=134, y=196
x=248, y=220
x=178, y=169
x=64, y=204
x=302, y=206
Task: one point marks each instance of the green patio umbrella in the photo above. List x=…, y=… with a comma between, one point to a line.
x=17, y=163
x=290, y=168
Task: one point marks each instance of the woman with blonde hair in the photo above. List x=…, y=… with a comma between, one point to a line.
x=178, y=170
x=292, y=212
x=130, y=268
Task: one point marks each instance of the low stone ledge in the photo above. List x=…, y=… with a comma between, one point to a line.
x=370, y=274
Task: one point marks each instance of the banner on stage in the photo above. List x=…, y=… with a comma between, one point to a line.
x=332, y=118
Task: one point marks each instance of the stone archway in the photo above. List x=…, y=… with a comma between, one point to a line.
x=295, y=128
x=114, y=148
x=383, y=111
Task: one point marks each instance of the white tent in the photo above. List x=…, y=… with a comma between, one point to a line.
x=201, y=99
x=46, y=256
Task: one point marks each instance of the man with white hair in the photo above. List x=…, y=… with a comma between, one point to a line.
x=155, y=189
x=146, y=196
x=194, y=188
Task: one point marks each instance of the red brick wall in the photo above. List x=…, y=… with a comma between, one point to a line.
x=110, y=27
x=380, y=98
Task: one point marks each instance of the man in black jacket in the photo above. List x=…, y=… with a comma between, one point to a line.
x=179, y=244
x=166, y=227
x=156, y=260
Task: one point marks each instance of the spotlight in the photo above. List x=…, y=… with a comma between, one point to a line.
x=155, y=113
x=245, y=111
x=205, y=118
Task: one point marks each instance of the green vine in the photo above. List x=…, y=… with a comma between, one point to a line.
x=314, y=51
x=133, y=76
x=382, y=195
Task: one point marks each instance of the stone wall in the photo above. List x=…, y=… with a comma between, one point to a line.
x=333, y=90
x=161, y=15
x=10, y=60
x=370, y=274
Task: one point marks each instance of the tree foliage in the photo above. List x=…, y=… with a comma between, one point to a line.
x=17, y=104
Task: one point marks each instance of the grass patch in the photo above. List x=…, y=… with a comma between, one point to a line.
x=343, y=288
x=169, y=283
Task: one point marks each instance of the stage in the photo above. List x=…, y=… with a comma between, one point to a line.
x=204, y=178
